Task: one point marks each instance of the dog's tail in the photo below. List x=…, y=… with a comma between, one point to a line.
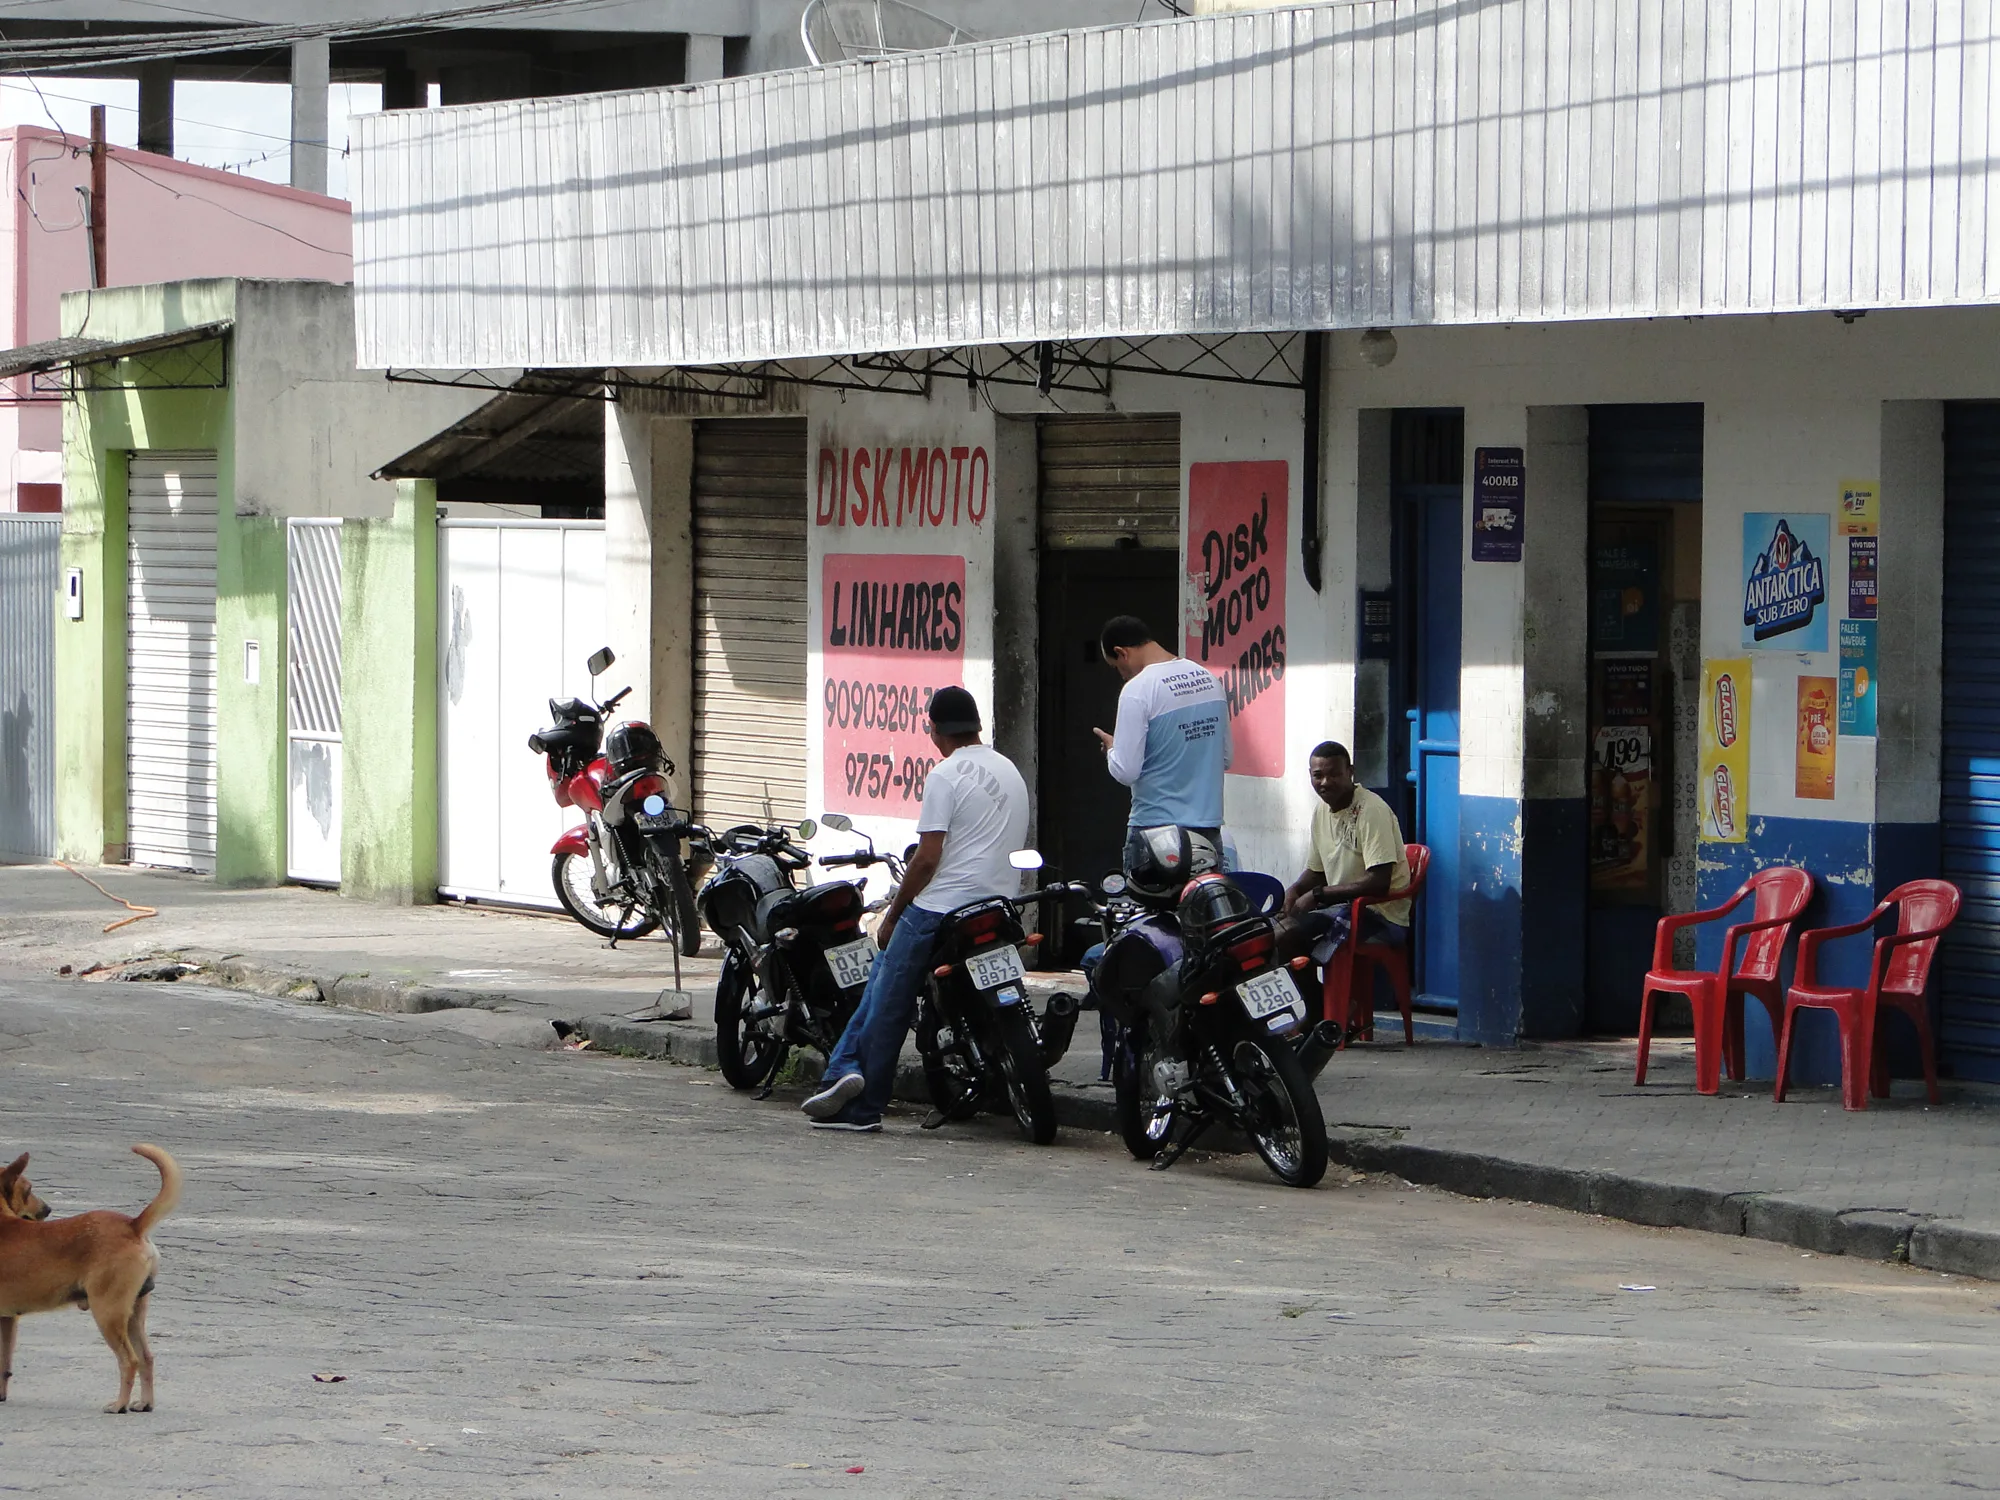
x=170, y=1188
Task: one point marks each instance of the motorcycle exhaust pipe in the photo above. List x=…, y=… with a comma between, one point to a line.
x=1317, y=1047
x=1058, y=1026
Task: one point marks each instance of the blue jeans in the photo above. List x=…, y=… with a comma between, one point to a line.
x=873, y=1041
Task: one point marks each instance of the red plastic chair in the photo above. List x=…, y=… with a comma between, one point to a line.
x=1356, y=962
x=1781, y=894
x=1898, y=979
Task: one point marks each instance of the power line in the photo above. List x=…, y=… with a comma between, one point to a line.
x=96, y=52
x=178, y=193
x=128, y=109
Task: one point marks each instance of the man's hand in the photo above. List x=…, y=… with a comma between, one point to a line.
x=886, y=928
x=1304, y=902
x=1103, y=739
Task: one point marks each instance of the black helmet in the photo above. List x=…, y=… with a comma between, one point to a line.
x=1159, y=861
x=1209, y=904
x=632, y=746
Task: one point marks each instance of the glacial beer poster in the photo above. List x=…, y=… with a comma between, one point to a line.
x=1725, y=750
x=1236, y=568
x=893, y=628
x=1784, y=580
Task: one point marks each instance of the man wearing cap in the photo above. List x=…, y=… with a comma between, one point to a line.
x=975, y=814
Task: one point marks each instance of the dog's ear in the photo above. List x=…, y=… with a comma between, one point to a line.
x=15, y=1168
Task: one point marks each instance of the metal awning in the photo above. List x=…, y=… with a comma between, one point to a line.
x=542, y=429
x=60, y=358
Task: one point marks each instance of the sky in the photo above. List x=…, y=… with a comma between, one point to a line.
x=239, y=127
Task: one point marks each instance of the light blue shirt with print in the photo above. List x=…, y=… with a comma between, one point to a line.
x=1172, y=745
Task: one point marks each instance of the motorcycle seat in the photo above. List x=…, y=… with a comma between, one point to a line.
x=824, y=905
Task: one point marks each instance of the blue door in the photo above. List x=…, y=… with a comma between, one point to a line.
x=1430, y=576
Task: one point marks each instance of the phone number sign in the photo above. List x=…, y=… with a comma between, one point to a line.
x=892, y=633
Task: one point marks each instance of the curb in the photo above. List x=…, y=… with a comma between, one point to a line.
x=352, y=991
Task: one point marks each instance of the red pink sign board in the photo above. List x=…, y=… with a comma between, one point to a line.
x=1236, y=563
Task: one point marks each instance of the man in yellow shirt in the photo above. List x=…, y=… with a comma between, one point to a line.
x=1357, y=850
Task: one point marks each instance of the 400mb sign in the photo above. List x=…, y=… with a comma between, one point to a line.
x=892, y=632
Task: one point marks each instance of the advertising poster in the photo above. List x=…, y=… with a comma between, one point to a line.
x=1857, y=678
x=1817, y=736
x=1236, y=568
x=1784, y=581
x=1725, y=750
x=1499, y=497
x=1621, y=784
x=1625, y=597
x=1860, y=507
x=1861, y=597
x=894, y=632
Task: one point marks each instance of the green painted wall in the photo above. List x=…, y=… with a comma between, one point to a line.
x=389, y=701
x=250, y=753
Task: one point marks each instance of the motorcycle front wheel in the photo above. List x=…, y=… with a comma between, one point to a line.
x=1283, y=1121
x=1027, y=1080
x=610, y=918
x=1143, y=1132
x=684, y=922
x=744, y=1055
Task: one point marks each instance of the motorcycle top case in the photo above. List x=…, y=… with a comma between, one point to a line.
x=731, y=898
x=1134, y=959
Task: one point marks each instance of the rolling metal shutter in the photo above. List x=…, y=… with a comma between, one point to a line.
x=170, y=661
x=1970, y=772
x=750, y=621
x=1107, y=479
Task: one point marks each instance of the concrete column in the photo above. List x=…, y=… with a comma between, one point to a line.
x=1521, y=727
x=312, y=78
x=1015, y=713
x=389, y=696
x=156, y=108
x=704, y=59
x=628, y=552
x=402, y=89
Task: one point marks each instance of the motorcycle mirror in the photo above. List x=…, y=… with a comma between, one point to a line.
x=838, y=822
x=807, y=828
x=600, y=661
x=1112, y=885
x=1025, y=859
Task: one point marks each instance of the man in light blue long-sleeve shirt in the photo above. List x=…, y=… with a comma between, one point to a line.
x=1171, y=745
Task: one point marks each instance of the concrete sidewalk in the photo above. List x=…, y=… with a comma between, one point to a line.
x=1559, y=1124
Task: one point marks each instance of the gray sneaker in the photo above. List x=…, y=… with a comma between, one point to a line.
x=859, y=1127
x=835, y=1097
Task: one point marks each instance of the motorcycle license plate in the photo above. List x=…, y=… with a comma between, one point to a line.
x=851, y=962
x=647, y=822
x=992, y=969
x=1267, y=994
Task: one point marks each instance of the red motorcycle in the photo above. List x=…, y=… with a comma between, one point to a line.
x=627, y=869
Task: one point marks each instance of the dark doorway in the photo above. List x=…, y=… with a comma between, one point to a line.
x=1427, y=490
x=1083, y=811
x=1644, y=692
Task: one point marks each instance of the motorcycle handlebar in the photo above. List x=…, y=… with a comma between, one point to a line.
x=614, y=700
x=1060, y=888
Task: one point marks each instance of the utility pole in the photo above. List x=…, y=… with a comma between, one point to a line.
x=99, y=267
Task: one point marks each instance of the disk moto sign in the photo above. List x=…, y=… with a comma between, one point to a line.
x=1236, y=569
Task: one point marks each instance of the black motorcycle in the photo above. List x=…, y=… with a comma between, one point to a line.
x=1212, y=1031
x=982, y=1044
x=796, y=960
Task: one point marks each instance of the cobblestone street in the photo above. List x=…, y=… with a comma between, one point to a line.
x=565, y=1274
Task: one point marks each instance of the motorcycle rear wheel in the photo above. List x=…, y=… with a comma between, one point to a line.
x=1131, y=1077
x=1284, y=1121
x=1020, y=1063
x=745, y=1056
x=570, y=873
x=949, y=1087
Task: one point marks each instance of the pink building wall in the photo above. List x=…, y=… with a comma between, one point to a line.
x=167, y=221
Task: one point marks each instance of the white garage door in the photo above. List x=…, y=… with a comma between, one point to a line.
x=750, y=621
x=170, y=661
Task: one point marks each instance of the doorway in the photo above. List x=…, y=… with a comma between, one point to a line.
x=1644, y=694
x=1110, y=531
x=1427, y=492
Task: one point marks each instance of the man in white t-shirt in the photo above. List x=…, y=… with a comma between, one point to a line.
x=975, y=814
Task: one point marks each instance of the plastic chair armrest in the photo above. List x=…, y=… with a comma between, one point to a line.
x=1885, y=946
x=1664, y=930
x=1808, y=965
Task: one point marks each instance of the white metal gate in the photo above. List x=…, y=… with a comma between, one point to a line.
x=312, y=824
x=30, y=553
x=170, y=661
x=520, y=605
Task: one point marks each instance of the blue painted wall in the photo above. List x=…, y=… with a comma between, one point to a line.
x=1521, y=918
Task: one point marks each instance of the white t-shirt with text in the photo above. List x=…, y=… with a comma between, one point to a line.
x=976, y=798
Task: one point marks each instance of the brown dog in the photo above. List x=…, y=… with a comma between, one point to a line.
x=101, y=1262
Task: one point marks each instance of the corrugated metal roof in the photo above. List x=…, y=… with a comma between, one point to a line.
x=31, y=359
x=539, y=432
x=1349, y=165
